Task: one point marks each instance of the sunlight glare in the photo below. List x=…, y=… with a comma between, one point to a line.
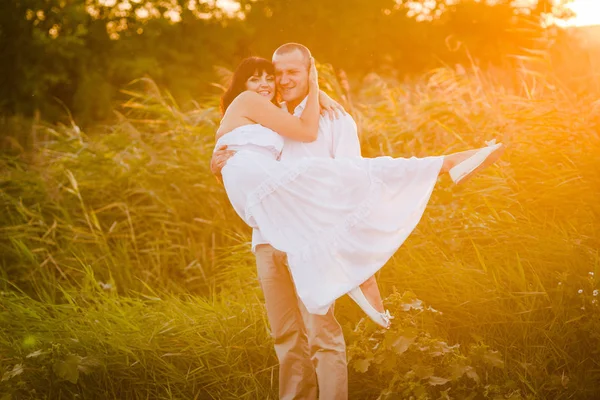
x=587, y=12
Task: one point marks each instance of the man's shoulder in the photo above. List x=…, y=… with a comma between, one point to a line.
x=344, y=121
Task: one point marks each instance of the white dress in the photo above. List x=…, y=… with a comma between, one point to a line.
x=338, y=220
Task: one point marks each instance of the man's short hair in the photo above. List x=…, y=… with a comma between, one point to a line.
x=290, y=47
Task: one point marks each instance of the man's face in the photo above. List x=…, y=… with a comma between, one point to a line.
x=291, y=76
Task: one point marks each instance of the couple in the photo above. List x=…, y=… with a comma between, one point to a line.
x=324, y=218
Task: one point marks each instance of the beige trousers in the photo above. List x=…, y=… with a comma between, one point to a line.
x=310, y=348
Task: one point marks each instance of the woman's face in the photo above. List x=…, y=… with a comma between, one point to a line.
x=263, y=84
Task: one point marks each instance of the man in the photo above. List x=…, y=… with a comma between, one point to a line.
x=310, y=348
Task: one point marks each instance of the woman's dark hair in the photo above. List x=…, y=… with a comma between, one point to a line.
x=247, y=68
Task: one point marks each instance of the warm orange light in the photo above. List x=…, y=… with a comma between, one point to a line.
x=587, y=13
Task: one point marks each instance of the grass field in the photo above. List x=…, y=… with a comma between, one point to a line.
x=125, y=274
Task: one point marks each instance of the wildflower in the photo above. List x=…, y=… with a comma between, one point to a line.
x=580, y=291
x=559, y=283
x=591, y=273
x=595, y=292
x=583, y=307
x=594, y=301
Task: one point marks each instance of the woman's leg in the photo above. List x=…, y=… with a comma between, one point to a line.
x=370, y=288
x=453, y=159
x=371, y=292
x=463, y=165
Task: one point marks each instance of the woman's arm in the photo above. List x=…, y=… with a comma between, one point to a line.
x=259, y=109
x=330, y=106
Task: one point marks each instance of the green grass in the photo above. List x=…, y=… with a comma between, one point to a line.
x=125, y=273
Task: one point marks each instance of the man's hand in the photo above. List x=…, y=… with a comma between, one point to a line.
x=330, y=107
x=218, y=161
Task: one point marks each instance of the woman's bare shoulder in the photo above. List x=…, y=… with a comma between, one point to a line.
x=234, y=115
x=225, y=128
x=230, y=121
x=245, y=99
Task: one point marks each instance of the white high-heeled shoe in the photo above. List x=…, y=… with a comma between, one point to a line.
x=481, y=159
x=382, y=319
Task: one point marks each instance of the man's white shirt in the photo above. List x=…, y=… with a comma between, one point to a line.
x=335, y=139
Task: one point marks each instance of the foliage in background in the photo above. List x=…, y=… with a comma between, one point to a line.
x=79, y=53
x=126, y=274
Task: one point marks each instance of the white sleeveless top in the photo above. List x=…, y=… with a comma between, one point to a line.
x=254, y=137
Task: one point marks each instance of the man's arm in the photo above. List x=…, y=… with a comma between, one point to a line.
x=345, y=137
x=218, y=161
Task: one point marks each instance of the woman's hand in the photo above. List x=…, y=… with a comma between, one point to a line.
x=330, y=106
x=313, y=76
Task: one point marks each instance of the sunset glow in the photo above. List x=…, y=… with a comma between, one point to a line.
x=587, y=12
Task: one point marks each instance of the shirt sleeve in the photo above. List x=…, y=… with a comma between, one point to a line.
x=345, y=138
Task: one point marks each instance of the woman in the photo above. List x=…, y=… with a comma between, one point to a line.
x=338, y=220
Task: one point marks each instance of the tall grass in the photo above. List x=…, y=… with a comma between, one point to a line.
x=126, y=274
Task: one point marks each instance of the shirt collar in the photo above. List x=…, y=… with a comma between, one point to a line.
x=299, y=108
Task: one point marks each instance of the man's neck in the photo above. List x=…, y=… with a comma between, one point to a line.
x=292, y=104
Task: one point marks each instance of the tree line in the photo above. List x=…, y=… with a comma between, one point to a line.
x=76, y=55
